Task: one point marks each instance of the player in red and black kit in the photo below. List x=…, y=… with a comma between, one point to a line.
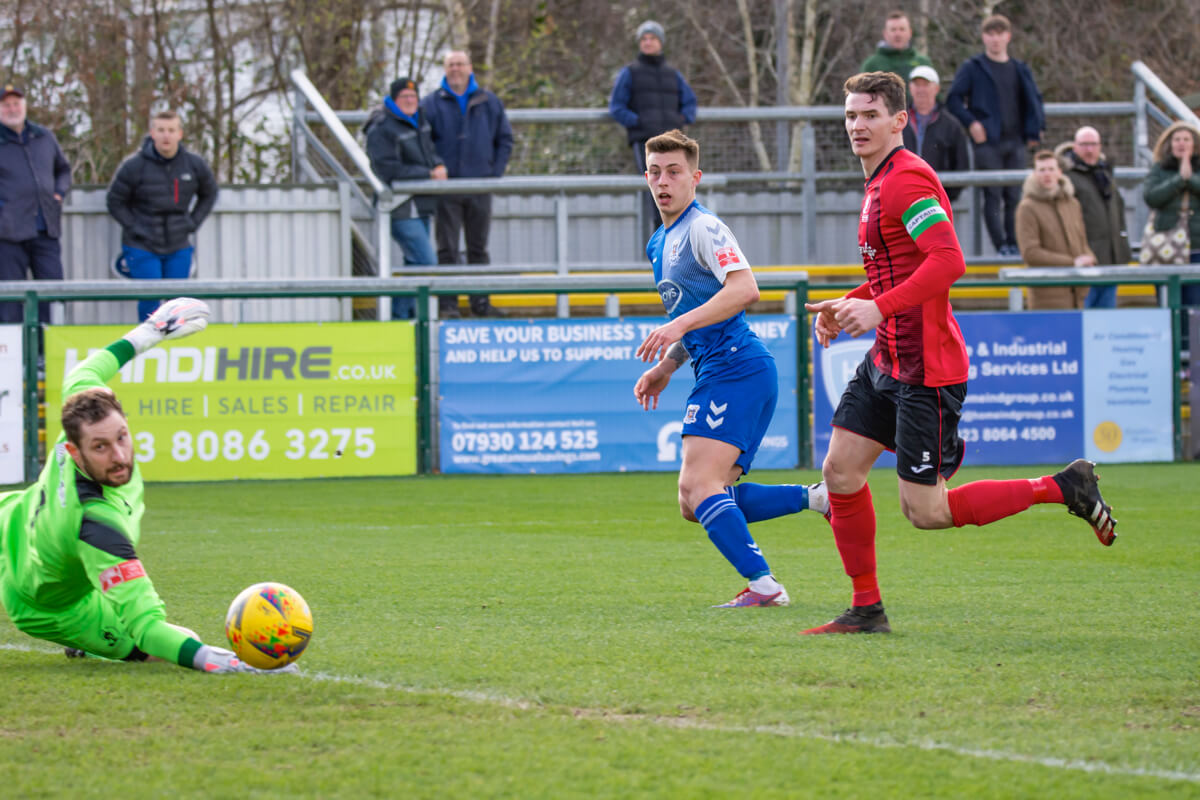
x=908, y=393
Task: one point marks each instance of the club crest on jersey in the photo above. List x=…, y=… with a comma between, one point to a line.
x=690, y=416
x=866, y=209
x=673, y=259
x=670, y=293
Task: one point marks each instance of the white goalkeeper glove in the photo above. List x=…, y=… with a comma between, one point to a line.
x=215, y=659
x=174, y=319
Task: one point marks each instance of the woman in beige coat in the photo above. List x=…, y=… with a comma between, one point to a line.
x=1050, y=232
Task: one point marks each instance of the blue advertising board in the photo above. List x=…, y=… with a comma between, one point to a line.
x=1127, y=406
x=550, y=396
x=1043, y=387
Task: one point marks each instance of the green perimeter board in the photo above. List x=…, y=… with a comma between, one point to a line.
x=305, y=400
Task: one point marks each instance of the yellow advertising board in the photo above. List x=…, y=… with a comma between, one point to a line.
x=259, y=401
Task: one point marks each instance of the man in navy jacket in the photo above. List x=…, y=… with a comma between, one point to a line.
x=34, y=179
x=997, y=100
x=474, y=139
x=160, y=196
x=649, y=97
x=400, y=146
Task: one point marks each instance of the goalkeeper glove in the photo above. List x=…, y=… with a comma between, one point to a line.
x=174, y=319
x=215, y=659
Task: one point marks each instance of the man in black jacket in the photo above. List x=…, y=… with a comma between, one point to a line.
x=997, y=100
x=650, y=97
x=400, y=146
x=1084, y=164
x=932, y=132
x=34, y=179
x=160, y=196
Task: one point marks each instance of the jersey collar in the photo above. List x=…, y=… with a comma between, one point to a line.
x=883, y=163
x=686, y=211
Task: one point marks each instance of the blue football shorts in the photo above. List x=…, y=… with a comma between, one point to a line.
x=734, y=410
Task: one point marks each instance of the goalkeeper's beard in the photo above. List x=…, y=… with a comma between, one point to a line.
x=116, y=474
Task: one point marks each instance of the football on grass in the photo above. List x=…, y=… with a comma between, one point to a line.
x=268, y=625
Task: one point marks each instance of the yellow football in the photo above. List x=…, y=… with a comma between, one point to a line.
x=268, y=625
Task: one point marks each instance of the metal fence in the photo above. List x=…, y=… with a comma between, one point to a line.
x=582, y=151
x=254, y=233
x=331, y=226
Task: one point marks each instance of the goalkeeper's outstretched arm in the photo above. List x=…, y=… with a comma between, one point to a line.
x=174, y=319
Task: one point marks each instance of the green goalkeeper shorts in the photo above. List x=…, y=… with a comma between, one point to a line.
x=90, y=624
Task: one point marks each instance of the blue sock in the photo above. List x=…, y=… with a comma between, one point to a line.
x=727, y=529
x=759, y=502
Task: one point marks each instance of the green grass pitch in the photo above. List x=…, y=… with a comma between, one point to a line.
x=552, y=637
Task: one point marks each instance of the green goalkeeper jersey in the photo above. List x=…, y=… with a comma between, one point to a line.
x=67, y=535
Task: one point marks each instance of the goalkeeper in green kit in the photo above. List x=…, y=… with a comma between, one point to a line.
x=69, y=571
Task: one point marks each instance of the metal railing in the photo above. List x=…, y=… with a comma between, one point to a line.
x=427, y=290
x=310, y=108
x=303, y=139
x=1146, y=81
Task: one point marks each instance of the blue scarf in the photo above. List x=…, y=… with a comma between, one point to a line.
x=391, y=106
x=472, y=87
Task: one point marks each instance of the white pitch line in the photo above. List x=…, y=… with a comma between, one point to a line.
x=786, y=731
x=400, y=526
x=29, y=648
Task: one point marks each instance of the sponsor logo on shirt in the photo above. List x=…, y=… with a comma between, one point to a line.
x=727, y=256
x=670, y=294
x=122, y=573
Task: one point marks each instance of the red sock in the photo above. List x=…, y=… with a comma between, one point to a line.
x=981, y=502
x=1046, y=490
x=854, y=531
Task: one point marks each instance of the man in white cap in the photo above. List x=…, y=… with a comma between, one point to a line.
x=931, y=132
x=650, y=97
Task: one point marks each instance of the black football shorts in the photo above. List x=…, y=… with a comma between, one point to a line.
x=918, y=423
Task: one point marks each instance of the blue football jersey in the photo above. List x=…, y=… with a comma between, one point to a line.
x=691, y=259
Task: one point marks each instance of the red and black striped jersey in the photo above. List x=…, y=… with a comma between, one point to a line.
x=911, y=254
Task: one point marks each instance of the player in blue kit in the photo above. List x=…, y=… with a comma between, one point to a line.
x=706, y=286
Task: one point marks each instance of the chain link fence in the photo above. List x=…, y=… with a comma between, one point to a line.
x=596, y=148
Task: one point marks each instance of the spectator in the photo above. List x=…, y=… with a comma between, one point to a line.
x=160, y=196
x=400, y=146
x=1051, y=233
x=1175, y=177
x=932, y=134
x=473, y=138
x=34, y=179
x=1084, y=165
x=895, y=52
x=996, y=98
x=650, y=97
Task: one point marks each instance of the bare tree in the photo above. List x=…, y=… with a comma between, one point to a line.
x=95, y=69
x=748, y=75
